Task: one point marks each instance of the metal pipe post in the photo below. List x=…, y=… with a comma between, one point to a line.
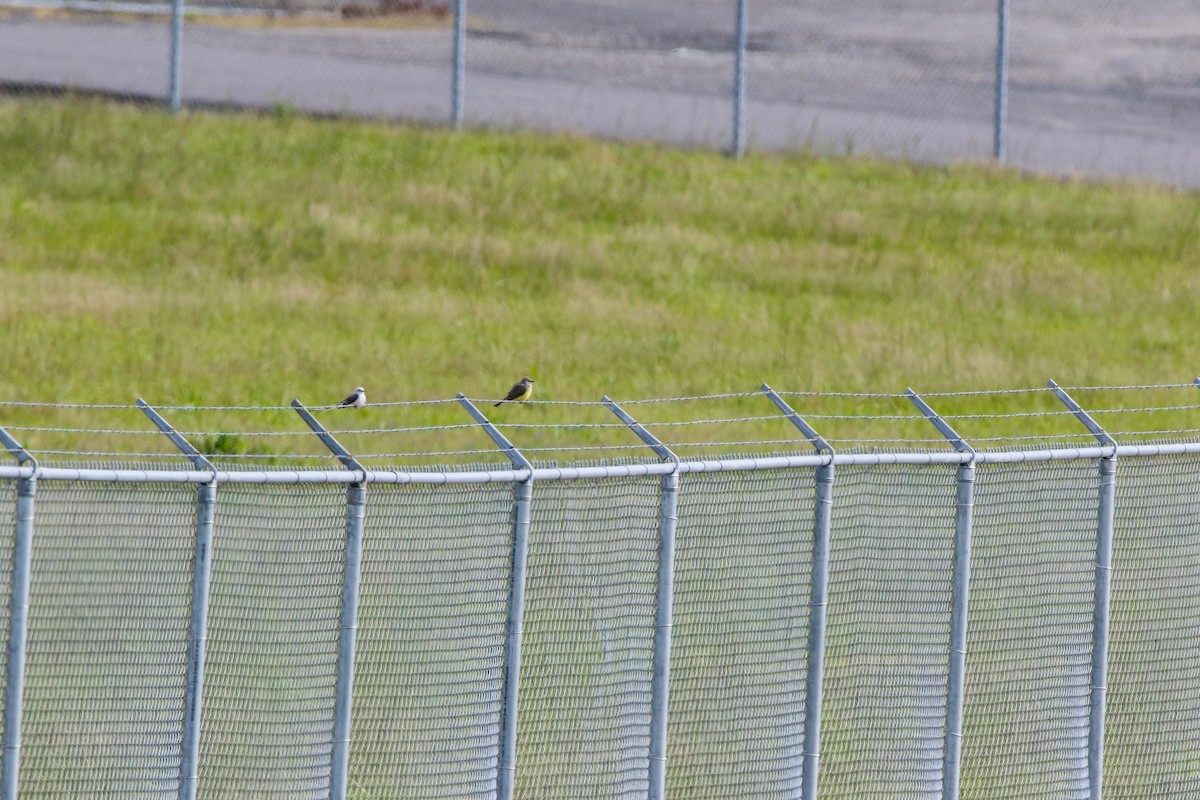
x=1100, y=625
x=175, y=86
x=356, y=501
x=664, y=611
x=343, y=701
x=18, y=620
x=193, y=698
x=737, y=147
x=818, y=598
x=1000, y=112
x=1103, y=596
x=193, y=694
x=459, y=65
x=506, y=766
x=818, y=605
x=959, y=602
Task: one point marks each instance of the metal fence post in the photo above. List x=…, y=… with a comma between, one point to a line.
x=737, y=147
x=1000, y=112
x=343, y=702
x=506, y=765
x=18, y=620
x=193, y=695
x=1100, y=615
x=664, y=610
x=818, y=599
x=459, y=66
x=175, y=78
x=960, y=597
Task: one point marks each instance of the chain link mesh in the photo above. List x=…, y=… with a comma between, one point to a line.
x=108, y=629
x=589, y=637
x=273, y=626
x=1029, y=639
x=888, y=641
x=111, y=590
x=744, y=554
x=8, y=527
x=1153, y=719
x=430, y=642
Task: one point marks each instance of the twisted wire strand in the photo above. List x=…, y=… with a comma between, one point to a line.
x=1129, y=387
x=105, y=431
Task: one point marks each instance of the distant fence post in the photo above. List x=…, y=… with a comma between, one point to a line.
x=193, y=695
x=459, y=66
x=737, y=147
x=1100, y=616
x=960, y=597
x=664, y=611
x=818, y=599
x=343, y=702
x=175, y=78
x=1000, y=112
x=506, y=766
x=18, y=619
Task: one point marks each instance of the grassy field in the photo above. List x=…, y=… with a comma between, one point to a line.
x=238, y=259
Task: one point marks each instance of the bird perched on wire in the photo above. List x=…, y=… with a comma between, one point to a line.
x=356, y=399
x=522, y=390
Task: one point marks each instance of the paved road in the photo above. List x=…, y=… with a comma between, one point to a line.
x=1094, y=91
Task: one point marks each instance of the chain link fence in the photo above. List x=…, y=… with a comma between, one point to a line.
x=767, y=685
x=1093, y=88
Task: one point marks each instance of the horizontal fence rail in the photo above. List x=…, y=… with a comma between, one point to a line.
x=947, y=624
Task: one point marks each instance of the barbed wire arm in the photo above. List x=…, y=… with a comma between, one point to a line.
x=186, y=447
x=817, y=440
x=944, y=428
x=514, y=455
x=22, y=455
x=652, y=441
x=1082, y=416
x=335, y=447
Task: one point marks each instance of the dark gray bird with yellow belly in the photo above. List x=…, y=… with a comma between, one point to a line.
x=521, y=390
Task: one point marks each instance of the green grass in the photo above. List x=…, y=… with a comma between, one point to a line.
x=243, y=259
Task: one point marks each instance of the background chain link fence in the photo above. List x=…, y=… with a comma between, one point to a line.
x=112, y=588
x=1095, y=88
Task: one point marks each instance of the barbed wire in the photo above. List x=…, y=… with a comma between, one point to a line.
x=1135, y=386
x=637, y=401
x=103, y=431
x=855, y=429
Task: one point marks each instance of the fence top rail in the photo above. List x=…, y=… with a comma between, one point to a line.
x=11, y=472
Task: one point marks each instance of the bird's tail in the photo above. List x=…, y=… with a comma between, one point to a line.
x=496, y=404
